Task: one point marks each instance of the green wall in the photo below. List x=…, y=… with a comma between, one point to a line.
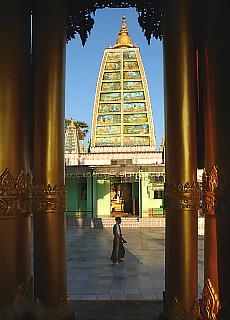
x=103, y=198
x=149, y=205
x=76, y=201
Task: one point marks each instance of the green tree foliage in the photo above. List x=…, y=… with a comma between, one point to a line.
x=81, y=127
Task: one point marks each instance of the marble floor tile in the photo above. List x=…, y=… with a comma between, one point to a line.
x=91, y=275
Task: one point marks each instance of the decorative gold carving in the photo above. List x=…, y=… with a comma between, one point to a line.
x=210, y=301
x=22, y=293
x=175, y=312
x=210, y=183
x=182, y=196
x=59, y=312
x=21, y=305
x=216, y=191
x=15, y=193
x=62, y=309
x=48, y=199
x=81, y=21
x=24, y=306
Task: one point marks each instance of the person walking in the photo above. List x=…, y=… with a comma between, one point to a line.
x=118, y=251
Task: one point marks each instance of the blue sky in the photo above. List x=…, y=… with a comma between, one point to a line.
x=83, y=65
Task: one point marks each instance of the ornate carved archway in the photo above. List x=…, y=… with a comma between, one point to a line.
x=80, y=16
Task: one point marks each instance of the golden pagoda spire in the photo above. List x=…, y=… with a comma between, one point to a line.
x=72, y=125
x=123, y=40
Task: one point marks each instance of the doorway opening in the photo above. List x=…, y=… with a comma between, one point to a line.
x=122, y=199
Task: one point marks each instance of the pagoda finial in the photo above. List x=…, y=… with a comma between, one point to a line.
x=123, y=40
x=71, y=125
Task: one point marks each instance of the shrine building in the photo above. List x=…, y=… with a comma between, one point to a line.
x=121, y=172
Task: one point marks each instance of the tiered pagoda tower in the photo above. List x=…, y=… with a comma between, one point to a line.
x=122, y=111
x=71, y=138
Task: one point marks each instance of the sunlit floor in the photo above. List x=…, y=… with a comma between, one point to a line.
x=92, y=275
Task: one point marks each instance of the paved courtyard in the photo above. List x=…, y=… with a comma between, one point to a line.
x=92, y=275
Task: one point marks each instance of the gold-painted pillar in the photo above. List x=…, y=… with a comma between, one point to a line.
x=217, y=31
x=210, y=299
x=14, y=156
x=181, y=187
x=49, y=194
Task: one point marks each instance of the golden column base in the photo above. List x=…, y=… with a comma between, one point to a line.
x=181, y=283
x=24, y=306
x=49, y=205
x=176, y=311
x=14, y=235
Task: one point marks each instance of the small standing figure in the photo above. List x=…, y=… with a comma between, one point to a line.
x=118, y=247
